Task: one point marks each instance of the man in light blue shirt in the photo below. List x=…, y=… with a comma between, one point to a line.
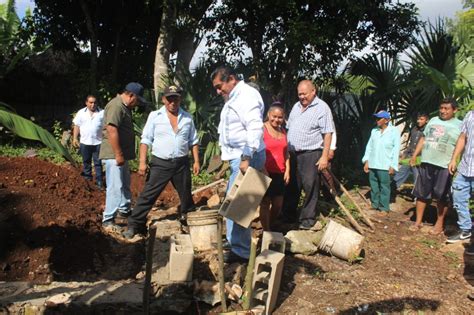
x=170, y=132
x=381, y=160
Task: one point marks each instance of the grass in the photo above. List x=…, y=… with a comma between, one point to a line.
x=41, y=152
x=419, y=253
x=430, y=243
x=453, y=259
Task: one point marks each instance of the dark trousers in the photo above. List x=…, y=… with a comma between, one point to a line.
x=90, y=153
x=161, y=172
x=306, y=175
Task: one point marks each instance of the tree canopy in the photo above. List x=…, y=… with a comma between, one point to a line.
x=290, y=39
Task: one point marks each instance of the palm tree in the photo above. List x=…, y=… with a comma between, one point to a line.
x=439, y=68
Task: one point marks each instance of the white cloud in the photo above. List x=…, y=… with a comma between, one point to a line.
x=432, y=9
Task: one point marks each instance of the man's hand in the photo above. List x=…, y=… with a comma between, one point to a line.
x=119, y=159
x=331, y=154
x=244, y=165
x=142, y=167
x=366, y=167
x=286, y=177
x=452, y=167
x=322, y=164
x=196, y=167
x=413, y=161
x=391, y=171
x=75, y=143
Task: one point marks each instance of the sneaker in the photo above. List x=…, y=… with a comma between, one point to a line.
x=470, y=249
x=123, y=215
x=315, y=227
x=110, y=226
x=226, y=244
x=132, y=233
x=461, y=235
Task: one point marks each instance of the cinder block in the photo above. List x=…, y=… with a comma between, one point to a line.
x=266, y=279
x=273, y=241
x=245, y=195
x=181, y=258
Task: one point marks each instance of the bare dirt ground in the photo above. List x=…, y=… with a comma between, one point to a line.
x=50, y=220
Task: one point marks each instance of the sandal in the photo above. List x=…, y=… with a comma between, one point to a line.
x=415, y=228
x=435, y=232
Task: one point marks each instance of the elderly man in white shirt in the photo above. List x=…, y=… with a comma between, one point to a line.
x=241, y=140
x=88, y=125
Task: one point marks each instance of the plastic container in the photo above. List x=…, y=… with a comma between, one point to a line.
x=203, y=228
x=341, y=242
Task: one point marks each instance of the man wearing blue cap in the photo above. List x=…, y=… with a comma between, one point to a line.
x=118, y=147
x=381, y=160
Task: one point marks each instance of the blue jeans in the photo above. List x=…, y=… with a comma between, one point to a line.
x=118, y=196
x=90, y=153
x=403, y=173
x=239, y=237
x=462, y=189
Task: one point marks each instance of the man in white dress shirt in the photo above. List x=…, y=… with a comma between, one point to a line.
x=241, y=140
x=88, y=125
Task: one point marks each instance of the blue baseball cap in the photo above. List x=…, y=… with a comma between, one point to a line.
x=137, y=89
x=382, y=114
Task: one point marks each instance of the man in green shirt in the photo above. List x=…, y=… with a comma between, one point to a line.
x=436, y=147
x=118, y=147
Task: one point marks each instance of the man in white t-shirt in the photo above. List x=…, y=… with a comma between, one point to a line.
x=88, y=125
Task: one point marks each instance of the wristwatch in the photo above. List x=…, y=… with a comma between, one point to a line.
x=245, y=157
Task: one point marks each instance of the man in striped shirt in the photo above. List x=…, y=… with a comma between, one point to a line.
x=310, y=128
x=463, y=185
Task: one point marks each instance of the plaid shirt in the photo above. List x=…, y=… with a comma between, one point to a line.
x=307, y=127
x=466, y=166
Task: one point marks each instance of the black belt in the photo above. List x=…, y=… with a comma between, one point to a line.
x=306, y=151
x=173, y=159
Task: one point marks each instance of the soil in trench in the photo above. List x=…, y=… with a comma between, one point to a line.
x=50, y=225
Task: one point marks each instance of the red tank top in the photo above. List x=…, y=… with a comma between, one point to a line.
x=275, y=150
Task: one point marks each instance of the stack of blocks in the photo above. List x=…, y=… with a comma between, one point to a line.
x=268, y=271
x=181, y=258
x=245, y=195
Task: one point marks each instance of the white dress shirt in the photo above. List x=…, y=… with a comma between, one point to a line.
x=90, y=125
x=241, y=127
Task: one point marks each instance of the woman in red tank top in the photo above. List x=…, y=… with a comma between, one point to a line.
x=277, y=166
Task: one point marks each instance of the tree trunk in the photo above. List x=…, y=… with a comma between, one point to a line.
x=163, y=46
x=93, y=40
x=186, y=49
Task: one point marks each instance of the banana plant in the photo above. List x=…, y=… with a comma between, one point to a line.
x=27, y=129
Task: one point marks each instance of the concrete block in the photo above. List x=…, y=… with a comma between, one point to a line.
x=181, y=258
x=266, y=280
x=274, y=241
x=245, y=195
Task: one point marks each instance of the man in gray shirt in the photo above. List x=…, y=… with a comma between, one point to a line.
x=310, y=128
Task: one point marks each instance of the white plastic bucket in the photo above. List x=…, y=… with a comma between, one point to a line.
x=341, y=242
x=203, y=228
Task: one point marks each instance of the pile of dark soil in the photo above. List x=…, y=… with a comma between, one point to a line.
x=50, y=226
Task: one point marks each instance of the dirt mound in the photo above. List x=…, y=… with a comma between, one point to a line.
x=50, y=226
